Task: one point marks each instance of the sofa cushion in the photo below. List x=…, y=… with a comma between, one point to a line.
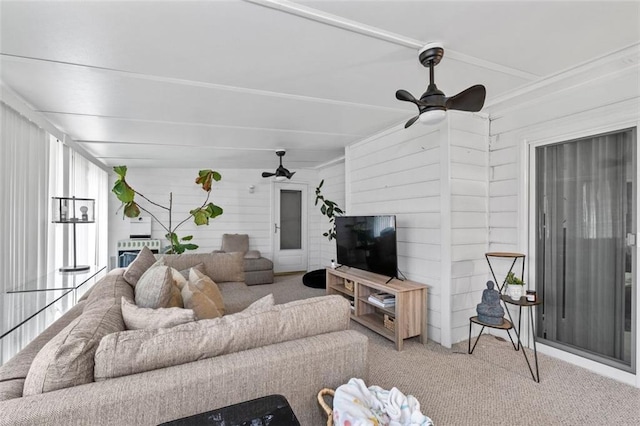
x=220, y=267
x=11, y=389
x=136, y=351
x=68, y=358
x=235, y=242
x=153, y=289
x=139, y=266
x=252, y=254
x=136, y=318
x=260, y=264
x=208, y=287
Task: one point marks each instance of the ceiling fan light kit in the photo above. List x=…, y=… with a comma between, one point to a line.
x=432, y=117
x=433, y=104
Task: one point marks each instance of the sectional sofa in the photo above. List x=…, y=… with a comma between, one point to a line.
x=87, y=368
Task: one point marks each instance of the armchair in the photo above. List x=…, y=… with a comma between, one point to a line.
x=257, y=269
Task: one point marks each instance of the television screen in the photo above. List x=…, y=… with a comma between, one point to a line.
x=368, y=243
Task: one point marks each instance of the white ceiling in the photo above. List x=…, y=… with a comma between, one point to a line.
x=222, y=84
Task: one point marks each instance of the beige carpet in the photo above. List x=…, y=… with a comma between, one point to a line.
x=491, y=387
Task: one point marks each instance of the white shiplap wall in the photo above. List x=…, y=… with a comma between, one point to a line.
x=244, y=212
x=398, y=172
x=434, y=179
x=585, y=106
x=468, y=190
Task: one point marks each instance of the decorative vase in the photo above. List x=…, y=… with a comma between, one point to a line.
x=515, y=291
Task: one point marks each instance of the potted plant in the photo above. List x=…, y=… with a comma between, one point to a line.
x=201, y=214
x=515, y=286
x=330, y=209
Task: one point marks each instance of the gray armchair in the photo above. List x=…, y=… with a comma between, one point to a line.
x=257, y=269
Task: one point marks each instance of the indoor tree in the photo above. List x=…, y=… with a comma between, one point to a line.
x=201, y=215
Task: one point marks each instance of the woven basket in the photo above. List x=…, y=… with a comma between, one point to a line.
x=325, y=406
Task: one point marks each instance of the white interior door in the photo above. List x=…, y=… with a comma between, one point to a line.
x=290, y=227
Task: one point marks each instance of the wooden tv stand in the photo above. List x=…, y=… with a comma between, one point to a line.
x=406, y=319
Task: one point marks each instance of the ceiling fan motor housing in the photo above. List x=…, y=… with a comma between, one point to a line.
x=431, y=54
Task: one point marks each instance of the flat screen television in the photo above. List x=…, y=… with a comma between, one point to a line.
x=368, y=243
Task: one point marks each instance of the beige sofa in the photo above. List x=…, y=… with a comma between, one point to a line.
x=147, y=376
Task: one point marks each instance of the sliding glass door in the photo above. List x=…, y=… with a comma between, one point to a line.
x=585, y=198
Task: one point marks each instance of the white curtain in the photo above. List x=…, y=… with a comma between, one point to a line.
x=24, y=220
x=89, y=181
x=34, y=167
x=24, y=195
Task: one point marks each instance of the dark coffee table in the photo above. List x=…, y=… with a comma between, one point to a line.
x=271, y=410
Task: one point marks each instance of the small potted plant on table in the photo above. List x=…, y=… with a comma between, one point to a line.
x=515, y=286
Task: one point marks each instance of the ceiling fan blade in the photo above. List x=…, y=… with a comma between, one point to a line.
x=471, y=99
x=410, y=122
x=290, y=174
x=403, y=95
x=267, y=174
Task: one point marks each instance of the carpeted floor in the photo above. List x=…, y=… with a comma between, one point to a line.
x=492, y=386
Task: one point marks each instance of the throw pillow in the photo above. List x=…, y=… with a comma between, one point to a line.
x=208, y=287
x=185, y=272
x=136, y=318
x=175, y=300
x=263, y=303
x=139, y=266
x=202, y=306
x=235, y=242
x=154, y=287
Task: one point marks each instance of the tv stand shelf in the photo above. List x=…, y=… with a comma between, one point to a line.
x=408, y=316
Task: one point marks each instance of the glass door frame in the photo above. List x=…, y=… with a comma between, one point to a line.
x=527, y=234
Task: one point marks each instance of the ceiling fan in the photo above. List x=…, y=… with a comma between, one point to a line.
x=433, y=104
x=281, y=173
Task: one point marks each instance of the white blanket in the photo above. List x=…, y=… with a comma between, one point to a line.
x=356, y=405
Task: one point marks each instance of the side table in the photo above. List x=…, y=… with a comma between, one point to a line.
x=506, y=325
x=524, y=303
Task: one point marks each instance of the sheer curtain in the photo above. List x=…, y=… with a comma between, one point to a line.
x=24, y=207
x=89, y=181
x=581, y=190
x=24, y=196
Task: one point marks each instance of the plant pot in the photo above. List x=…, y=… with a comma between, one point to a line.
x=515, y=291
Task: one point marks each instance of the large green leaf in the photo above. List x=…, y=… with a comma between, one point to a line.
x=131, y=209
x=213, y=210
x=123, y=191
x=120, y=171
x=200, y=216
x=173, y=238
x=205, y=178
